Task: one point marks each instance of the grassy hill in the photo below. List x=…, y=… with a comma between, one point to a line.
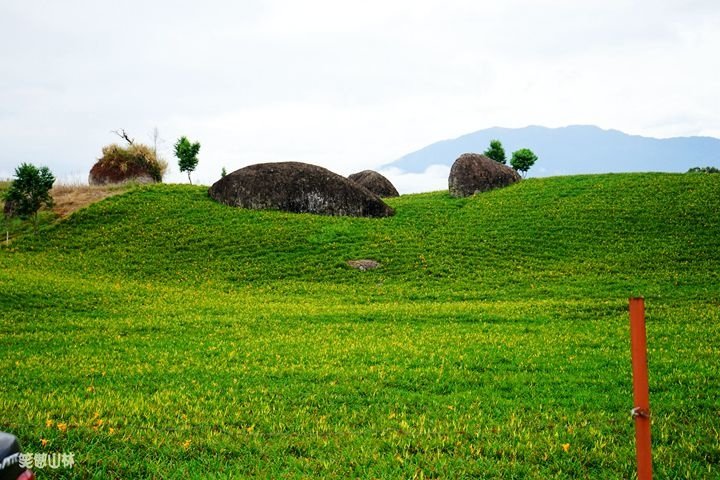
x=158, y=333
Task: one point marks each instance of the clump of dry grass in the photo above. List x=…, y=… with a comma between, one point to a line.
x=71, y=197
x=135, y=161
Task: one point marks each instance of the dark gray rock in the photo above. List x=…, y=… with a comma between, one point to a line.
x=10, y=208
x=375, y=182
x=110, y=178
x=299, y=188
x=473, y=173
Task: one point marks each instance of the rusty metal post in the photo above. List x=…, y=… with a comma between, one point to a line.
x=641, y=395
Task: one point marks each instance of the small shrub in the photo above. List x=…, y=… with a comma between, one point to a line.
x=496, y=151
x=704, y=170
x=186, y=152
x=28, y=192
x=522, y=160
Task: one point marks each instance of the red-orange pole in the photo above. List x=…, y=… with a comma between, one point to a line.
x=641, y=395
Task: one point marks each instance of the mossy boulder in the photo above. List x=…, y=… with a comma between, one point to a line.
x=474, y=173
x=375, y=182
x=299, y=188
x=135, y=163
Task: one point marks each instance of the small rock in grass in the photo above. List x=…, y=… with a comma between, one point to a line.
x=364, y=264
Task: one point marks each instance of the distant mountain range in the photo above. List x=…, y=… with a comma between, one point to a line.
x=575, y=149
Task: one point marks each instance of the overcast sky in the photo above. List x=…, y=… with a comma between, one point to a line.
x=346, y=85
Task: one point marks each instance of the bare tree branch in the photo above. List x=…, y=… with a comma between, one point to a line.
x=123, y=134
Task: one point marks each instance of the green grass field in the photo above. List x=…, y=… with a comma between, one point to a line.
x=158, y=334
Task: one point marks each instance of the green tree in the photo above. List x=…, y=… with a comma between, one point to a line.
x=29, y=191
x=186, y=153
x=522, y=160
x=496, y=151
x=223, y=172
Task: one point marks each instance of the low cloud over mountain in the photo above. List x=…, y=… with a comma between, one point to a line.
x=562, y=151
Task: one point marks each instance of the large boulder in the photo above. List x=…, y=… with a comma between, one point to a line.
x=102, y=174
x=375, y=182
x=473, y=173
x=297, y=187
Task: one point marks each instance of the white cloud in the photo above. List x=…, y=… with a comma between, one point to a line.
x=434, y=178
x=348, y=85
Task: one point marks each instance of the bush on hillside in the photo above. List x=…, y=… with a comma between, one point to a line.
x=704, y=170
x=522, y=160
x=134, y=162
x=186, y=152
x=28, y=192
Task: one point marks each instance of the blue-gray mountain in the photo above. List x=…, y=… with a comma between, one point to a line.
x=575, y=149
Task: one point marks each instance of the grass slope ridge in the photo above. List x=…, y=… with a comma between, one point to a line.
x=170, y=335
x=644, y=233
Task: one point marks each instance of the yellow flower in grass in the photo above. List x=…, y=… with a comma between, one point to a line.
x=62, y=427
x=186, y=444
x=566, y=447
x=49, y=423
x=43, y=442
